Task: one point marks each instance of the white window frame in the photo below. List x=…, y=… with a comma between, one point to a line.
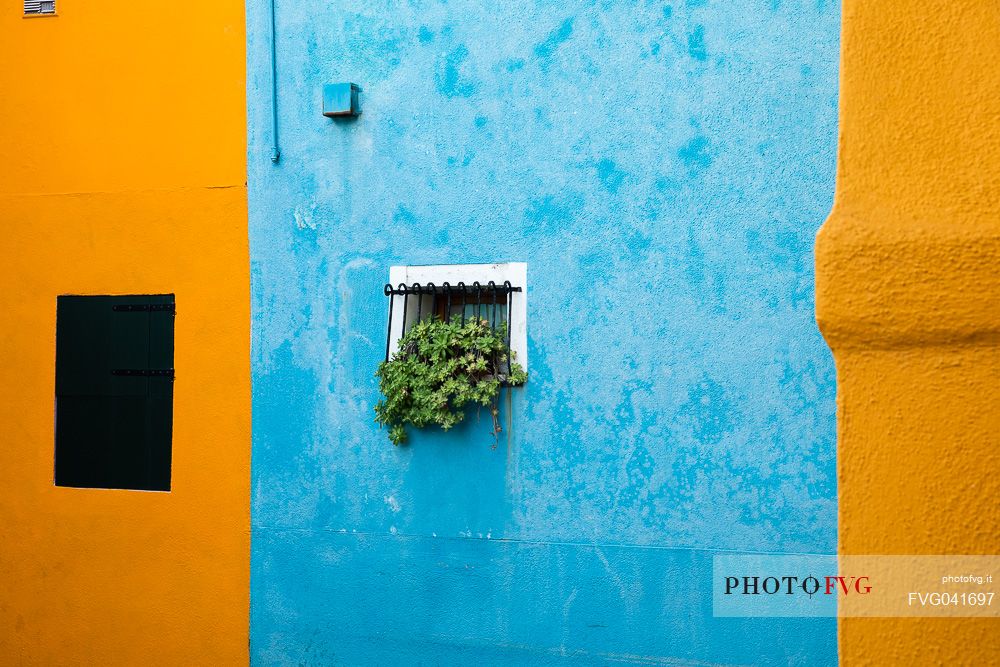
x=515, y=272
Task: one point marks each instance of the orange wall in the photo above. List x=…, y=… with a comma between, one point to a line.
x=122, y=170
x=908, y=296
x=107, y=97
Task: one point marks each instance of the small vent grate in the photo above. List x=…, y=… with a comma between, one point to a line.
x=39, y=6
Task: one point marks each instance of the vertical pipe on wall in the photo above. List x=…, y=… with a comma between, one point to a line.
x=275, y=153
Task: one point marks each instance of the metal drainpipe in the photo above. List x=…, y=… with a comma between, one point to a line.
x=275, y=153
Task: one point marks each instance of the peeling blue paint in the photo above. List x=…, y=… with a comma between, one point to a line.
x=545, y=50
x=452, y=81
x=682, y=404
x=611, y=176
x=695, y=155
x=696, y=43
x=515, y=64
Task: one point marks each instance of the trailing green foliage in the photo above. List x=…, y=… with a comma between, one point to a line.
x=441, y=368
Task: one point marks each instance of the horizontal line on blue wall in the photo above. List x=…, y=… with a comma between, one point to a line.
x=555, y=543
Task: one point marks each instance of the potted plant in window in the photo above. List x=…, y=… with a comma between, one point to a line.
x=439, y=370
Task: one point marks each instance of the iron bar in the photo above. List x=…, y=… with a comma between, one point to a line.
x=388, y=335
x=461, y=286
x=406, y=297
x=433, y=299
x=493, y=310
x=420, y=299
x=510, y=353
x=426, y=289
x=447, y=306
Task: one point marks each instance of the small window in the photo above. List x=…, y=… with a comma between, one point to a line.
x=39, y=6
x=497, y=293
x=114, y=391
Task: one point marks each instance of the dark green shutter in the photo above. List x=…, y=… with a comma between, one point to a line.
x=114, y=391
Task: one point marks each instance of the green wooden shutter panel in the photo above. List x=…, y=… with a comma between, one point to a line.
x=114, y=391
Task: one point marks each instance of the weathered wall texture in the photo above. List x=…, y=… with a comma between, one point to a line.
x=122, y=168
x=908, y=295
x=663, y=168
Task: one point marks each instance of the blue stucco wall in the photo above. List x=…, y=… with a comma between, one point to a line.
x=676, y=159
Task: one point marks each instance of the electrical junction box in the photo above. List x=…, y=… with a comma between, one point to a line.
x=341, y=99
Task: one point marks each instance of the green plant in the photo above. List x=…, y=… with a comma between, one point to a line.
x=440, y=369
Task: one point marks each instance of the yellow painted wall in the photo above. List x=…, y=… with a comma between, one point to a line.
x=122, y=170
x=908, y=296
x=110, y=97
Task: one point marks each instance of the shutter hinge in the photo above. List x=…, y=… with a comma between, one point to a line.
x=145, y=307
x=144, y=372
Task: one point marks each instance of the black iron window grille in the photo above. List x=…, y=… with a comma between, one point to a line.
x=490, y=302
